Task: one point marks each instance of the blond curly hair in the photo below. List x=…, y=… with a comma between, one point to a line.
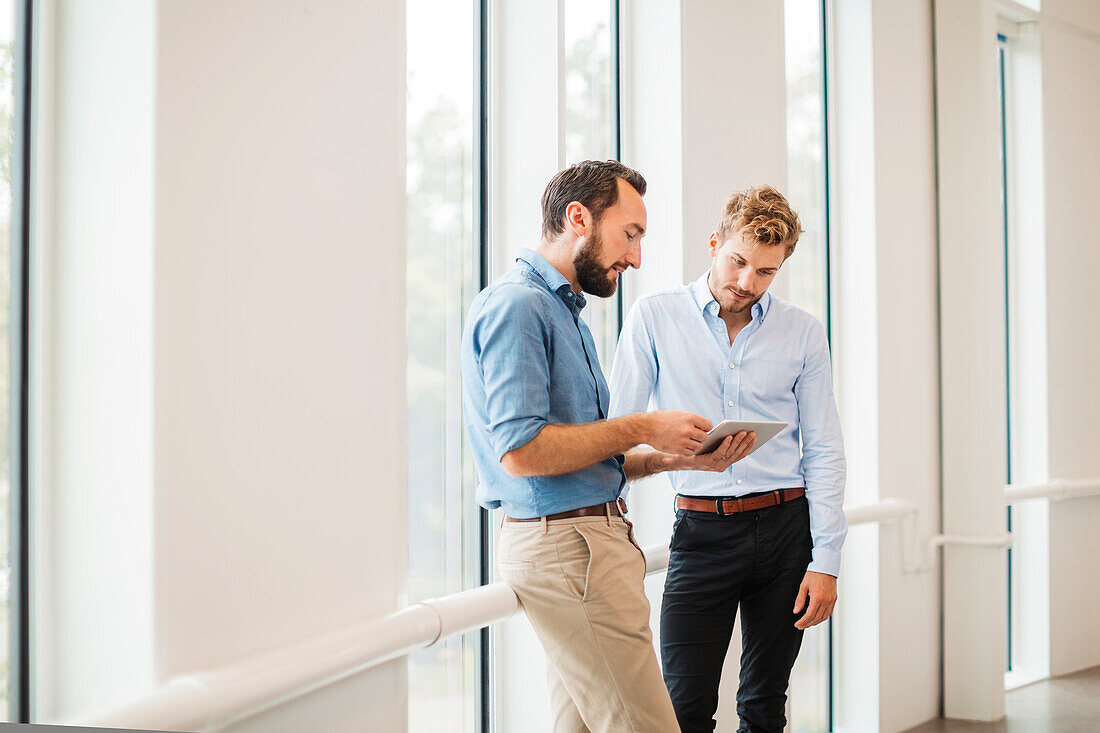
x=764, y=214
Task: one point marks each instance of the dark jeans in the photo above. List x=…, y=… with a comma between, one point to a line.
x=754, y=559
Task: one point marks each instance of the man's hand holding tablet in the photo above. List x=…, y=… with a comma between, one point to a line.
x=730, y=450
x=762, y=430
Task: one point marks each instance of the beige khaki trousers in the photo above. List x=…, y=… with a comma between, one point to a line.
x=580, y=583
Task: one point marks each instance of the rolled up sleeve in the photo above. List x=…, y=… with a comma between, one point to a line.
x=511, y=342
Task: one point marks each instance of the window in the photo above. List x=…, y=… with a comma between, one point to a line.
x=540, y=119
x=1027, y=460
x=589, y=129
x=442, y=277
x=568, y=114
x=808, y=283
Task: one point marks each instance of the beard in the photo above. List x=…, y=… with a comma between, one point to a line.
x=593, y=277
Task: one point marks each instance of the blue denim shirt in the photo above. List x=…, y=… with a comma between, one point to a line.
x=675, y=351
x=528, y=360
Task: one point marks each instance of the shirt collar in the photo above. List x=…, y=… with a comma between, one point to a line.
x=554, y=280
x=700, y=291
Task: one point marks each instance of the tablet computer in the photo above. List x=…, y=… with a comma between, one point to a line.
x=765, y=431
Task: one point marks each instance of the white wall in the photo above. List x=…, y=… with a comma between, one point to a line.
x=1071, y=91
x=272, y=196
x=728, y=143
x=972, y=343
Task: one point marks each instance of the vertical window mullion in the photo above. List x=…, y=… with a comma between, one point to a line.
x=19, y=668
x=484, y=264
x=617, y=127
x=830, y=687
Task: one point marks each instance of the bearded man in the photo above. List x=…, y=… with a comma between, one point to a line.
x=536, y=407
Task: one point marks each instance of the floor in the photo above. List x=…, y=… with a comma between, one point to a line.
x=1069, y=704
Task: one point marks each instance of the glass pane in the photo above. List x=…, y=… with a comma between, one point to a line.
x=807, y=268
x=7, y=107
x=442, y=280
x=519, y=678
x=588, y=127
x=808, y=278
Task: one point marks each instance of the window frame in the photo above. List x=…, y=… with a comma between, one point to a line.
x=19, y=665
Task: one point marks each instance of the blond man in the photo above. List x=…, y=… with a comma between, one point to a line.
x=764, y=535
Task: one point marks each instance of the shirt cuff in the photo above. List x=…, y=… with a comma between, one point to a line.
x=825, y=561
x=508, y=436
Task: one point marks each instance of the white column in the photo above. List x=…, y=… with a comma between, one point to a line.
x=92, y=356
x=885, y=320
x=856, y=355
x=908, y=436
x=1071, y=104
x=972, y=352
x=235, y=172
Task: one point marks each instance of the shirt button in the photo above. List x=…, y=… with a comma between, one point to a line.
x=738, y=480
x=730, y=404
x=732, y=365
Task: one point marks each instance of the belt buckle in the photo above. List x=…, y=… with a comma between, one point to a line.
x=719, y=508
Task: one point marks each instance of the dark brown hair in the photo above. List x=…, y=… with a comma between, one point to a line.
x=592, y=183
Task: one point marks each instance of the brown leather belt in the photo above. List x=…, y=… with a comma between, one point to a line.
x=616, y=508
x=736, y=505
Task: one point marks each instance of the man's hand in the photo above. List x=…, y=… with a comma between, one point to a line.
x=676, y=432
x=821, y=591
x=731, y=450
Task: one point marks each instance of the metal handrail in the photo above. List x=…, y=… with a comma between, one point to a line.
x=1057, y=489
x=213, y=699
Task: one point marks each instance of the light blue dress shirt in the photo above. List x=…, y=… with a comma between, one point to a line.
x=675, y=350
x=528, y=360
